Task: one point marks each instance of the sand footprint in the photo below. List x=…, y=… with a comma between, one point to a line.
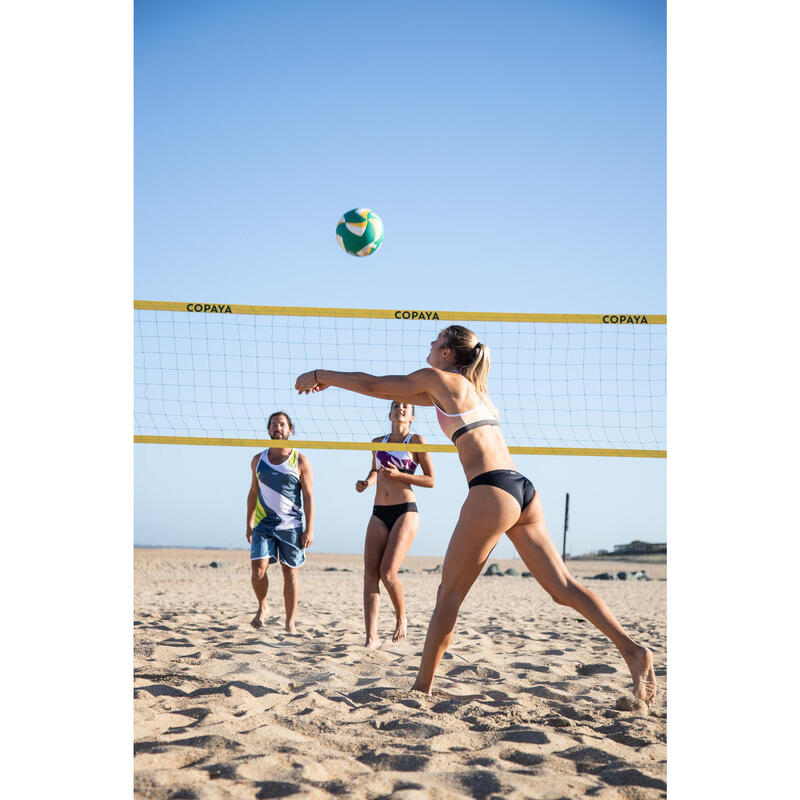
x=482, y=784
x=530, y=667
x=595, y=669
x=396, y=762
x=410, y=728
x=522, y=758
x=479, y=671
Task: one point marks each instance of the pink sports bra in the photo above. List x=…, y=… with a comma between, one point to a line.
x=453, y=425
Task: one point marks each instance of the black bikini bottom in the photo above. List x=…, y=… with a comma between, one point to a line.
x=509, y=481
x=388, y=515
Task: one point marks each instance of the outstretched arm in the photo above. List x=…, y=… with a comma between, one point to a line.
x=413, y=388
x=421, y=399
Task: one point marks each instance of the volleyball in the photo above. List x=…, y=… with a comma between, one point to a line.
x=360, y=232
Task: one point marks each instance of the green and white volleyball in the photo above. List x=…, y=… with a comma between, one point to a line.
x=360, y=232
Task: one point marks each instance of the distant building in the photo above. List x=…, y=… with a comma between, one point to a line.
x=639, y=548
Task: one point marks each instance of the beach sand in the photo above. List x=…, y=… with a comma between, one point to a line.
x=524, y=706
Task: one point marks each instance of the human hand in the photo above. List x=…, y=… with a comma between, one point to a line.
x=306, y=538
x=307, y=383
x=249, y=534
x=361, y=486
x=390, y=472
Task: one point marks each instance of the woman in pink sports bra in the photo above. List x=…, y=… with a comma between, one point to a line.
x=394, y=521
x=499, y=500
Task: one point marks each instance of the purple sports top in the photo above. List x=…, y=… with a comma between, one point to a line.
x=402, y=461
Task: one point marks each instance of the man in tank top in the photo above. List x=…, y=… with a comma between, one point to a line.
x=280, y=491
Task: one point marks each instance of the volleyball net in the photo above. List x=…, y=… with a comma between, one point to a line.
x=565, y=384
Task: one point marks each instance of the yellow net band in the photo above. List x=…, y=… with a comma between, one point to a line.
x=407, y=314
x=390, y=446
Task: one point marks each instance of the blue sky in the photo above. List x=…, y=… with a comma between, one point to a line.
x=515, y=151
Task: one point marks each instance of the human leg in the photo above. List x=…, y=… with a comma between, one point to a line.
x=260, y=583
x=291, y=586
x=486, y=514
x=400, y=538
x=374, y=545
x=533, y=543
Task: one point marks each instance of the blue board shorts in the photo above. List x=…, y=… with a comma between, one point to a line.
x=283, y=545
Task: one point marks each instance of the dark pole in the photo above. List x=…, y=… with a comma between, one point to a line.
x=566, y=524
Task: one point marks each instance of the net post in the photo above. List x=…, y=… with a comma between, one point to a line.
x=566, y=523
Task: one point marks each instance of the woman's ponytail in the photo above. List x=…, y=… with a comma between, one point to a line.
x=471, y=356
x=477, y=373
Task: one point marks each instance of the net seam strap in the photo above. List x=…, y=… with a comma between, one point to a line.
x=410, y=446
x=405, y=315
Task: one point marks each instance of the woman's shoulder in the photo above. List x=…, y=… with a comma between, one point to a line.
x=433, y=376
x=452, y=384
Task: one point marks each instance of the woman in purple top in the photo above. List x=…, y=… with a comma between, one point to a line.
x=394, y=521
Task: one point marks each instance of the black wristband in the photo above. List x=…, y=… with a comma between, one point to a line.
x=315, y=377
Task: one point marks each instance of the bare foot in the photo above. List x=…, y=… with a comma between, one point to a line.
x=372, y=643
x=258, y=620
x=400, y=630
x=290, y=627
x=640, y=663
x=417, y=688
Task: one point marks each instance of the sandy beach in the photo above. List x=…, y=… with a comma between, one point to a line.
x=530, y=701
